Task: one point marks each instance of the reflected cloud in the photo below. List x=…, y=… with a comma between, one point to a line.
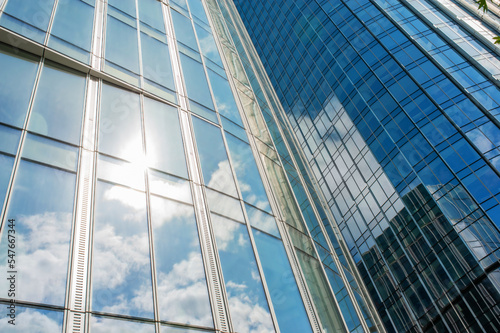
x=182, y=293
x=106, y=325
x=42, y=249
x=225, y=236
x=249, y=317
x=31, y=320
x=222, y=178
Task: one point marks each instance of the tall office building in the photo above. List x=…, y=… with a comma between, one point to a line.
x=396, y=107
x=152, y=180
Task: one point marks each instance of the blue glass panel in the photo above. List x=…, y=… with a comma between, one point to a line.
x=121, y=273
x=196, y=81
x=184, y=30
x=285, y=295
x=197, y=10
x=42, y=206
x=29, y=18
x=50, y=152
x=224, y=98
x=213, y=157
x=247, y=302
x=18, y=75
x=71, y=31
x=182, y=288
x=151, y=14
x=58, y=106
x=121, y=44
x=248, y=176
x=6, y=164
x=9, y=139
x=126, y=6
x=207, y=45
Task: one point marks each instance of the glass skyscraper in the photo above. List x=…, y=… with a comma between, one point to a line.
x=250, y=166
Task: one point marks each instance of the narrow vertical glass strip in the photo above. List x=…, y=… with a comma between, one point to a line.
x=285, y=296
x=247, y=302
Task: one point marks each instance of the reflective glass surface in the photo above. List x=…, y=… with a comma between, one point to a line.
x=121, y=271
x=182, y=289
x=224, y=97
x=18, y=75
x=247, y=302
x=207, y=45
x=71, y=31
x=42, y=206
x=247, y=173
x=29, y=18
x=213, y=157
x=121, y=42
x=262, y=221
x=151, y=14
x=120, y=124
x=285, y=296
x=164, y=146
x=169, y=186
x=196, y=82
x=58, y=106
x=112, y=325
x=50, y=152
x=120, y=172
x=156, y=61
x=224, y=205
x=33, y=320
x=184, y=30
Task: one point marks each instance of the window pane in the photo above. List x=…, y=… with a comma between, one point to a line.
x=121, y=274
x=247, y=173
x=285, y=297
x=247, y=302
x=182, y=288
x=207, y=45
x=224, y=98
x=197, y=10
x=262, y=221
x=120, y=124
x=184, y=30
x=120, y=172
x=42, y=205
x=29, y=18
x=213, y=158
x=71, y=31
x=169, y=186
x=9, y=139
x=126, y=6
x=50, y=152
x=18, y=75
x=164, y=147
x=151, y=14
x=224, y=205
x=6, y=164
x=196, y=82
x=156, y=62
x=121, y=44
x=58, y=106
x=111, y=325
x=33, y=320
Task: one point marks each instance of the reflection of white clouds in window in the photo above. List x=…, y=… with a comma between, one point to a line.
x=121, y=266
x=33, y=320
x=42, y=246
x=182, y=290
x=247, y=303
x=184, y=293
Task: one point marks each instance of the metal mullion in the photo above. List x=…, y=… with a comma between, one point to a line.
x=98, y=35
x=51, y=22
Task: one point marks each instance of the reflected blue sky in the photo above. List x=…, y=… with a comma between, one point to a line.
x=110, y=325
x=247, y=303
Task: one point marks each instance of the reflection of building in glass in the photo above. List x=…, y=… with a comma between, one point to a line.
x=395, y=105
x=157, y=185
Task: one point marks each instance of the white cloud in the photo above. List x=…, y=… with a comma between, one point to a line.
x=30, y=320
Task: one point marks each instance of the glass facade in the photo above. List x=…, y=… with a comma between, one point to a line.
x=395, y=107
x=153, y=180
